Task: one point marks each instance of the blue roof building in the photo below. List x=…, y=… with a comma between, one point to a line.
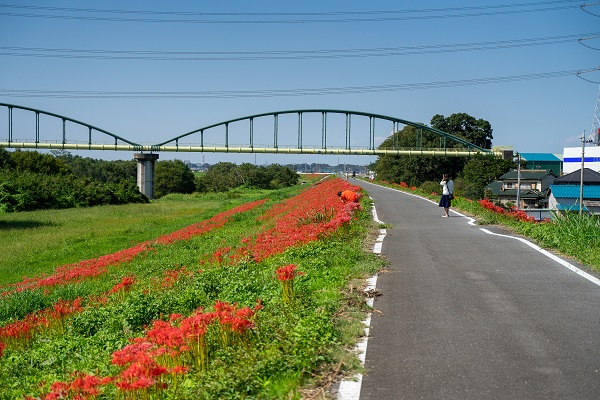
x=566, y=191
x=540, y=161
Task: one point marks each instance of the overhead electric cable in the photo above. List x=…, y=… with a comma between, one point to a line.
x=155, y=55
x=276, y=17
x=587, y=72
x=585, y=6
x=589, y=38
x=219, y=94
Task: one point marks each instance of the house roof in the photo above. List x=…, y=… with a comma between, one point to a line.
x=540, y=157
x=496, y=189
x=590, y=177
x=527, y=174
x=572, y=191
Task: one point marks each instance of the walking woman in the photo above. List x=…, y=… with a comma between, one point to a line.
x=447, y=196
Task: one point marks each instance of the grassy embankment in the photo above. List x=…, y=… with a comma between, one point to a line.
x=75, y=335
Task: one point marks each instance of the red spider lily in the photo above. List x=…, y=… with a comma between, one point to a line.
x=124, y=285
x=97, y=266
x=142, y=370
x=233, y=322
x=286, y=230
x=219, y=255
x=19, y=333
x=2, y=348
x=287, y=272
x=164, y=334
x=209, y=224
x=513, y=212
x=82, y=387
x=56, y=315
x=286, y=275
x=65, y=307
x=171, y=276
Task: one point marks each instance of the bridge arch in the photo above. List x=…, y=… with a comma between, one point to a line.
x=465, y=148
x=34, y=140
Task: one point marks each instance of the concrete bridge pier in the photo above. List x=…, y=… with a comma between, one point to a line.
x=145, y=173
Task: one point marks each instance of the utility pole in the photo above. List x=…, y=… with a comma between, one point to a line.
x=583, y=142
x=517, y=158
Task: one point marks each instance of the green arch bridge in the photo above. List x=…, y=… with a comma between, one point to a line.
x=219, y=136
x=23, y=130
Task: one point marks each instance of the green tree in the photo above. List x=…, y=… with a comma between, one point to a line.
x=476, y=131
x=221, y=177
x=280, y=176
x=32, y=161
x=481, y=170
x=173, y=177
x=415, y=170
x=6, y=161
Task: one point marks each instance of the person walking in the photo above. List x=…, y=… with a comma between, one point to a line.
x=447, y=194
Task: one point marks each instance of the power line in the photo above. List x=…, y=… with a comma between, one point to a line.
x=585, y=6
x=281, y=17
x=154, y=55
x=221, y=94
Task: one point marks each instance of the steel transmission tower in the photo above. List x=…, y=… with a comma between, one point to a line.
x=595, y=134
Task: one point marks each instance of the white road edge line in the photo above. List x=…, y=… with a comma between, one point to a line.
x=350, y=389
x=534, y=246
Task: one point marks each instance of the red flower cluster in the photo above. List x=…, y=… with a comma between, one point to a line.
x=124, y=285
x=286, y=231
x=81, y=270
x=207, y=225
x=20, y=332
x=82, y=387
x=97, y=266
x=286, y=275
x=151, y=361
x=171, y=276
x=287, y=272
x=159, y=352
x=517, y=214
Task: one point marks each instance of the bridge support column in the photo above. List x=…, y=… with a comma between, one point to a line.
x=145, y=173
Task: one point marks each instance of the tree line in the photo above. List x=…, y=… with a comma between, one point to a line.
x=470, y=175
x=30, y=180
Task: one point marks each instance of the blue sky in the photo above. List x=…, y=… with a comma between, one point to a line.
x=427, y=42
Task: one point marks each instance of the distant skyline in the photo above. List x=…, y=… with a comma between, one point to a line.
x=152, y=70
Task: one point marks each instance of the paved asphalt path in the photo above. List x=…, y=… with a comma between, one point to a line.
x=464, y=314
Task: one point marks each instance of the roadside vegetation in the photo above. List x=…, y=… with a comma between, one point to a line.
x=254, y=297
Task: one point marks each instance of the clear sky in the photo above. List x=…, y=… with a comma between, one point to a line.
x=510, y=63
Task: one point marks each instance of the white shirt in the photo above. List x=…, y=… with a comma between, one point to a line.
x=447, y=187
